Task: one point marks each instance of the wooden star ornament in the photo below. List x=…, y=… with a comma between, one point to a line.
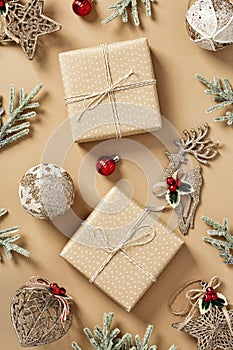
x=25, y=23
x=211, y=330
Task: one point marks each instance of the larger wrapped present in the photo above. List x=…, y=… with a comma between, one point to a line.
x=110, y=90
x=122, y=248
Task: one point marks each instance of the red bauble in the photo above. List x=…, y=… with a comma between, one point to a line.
x=207, y=298
x=82, y=7
x=172, y=188
x=106, y=165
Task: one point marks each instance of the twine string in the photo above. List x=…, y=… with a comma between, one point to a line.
x=100, y=235
x=112, y=87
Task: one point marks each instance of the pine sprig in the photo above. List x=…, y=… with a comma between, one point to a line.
x=120, y=9
x=221, y=89
x=224, y=246
x=228, y=117
x=16, y=124
x=7, y=241
x=105, y=339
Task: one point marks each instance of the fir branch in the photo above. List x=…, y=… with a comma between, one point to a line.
x=228, y=117
x=222, y=91
x=105, y=339
x=224, y=246
x=120, y=9
x=16, y=115
x=7, y=242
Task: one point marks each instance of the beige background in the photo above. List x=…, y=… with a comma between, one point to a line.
x=183, y=102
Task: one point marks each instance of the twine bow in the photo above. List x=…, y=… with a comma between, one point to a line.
x=112, y=87
x=41, y=283
x=100, y=236
x=193, y=296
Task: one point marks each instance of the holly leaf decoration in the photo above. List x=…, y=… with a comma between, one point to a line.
x=185, y=188
x=173, y=198
x=204, y=306
x=221, y=301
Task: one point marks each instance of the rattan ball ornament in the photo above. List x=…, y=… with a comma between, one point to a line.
x=46, y=191
x=210, y=23
x=40, y=312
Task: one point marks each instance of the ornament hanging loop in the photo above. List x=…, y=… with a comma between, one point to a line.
x=174, y=296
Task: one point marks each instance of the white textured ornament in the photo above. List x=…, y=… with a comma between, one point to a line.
x=210, y=23
x=46, y=191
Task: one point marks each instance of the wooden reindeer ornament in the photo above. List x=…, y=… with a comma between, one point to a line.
x=182, y=189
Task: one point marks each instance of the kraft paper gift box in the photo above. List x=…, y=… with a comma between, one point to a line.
x=121, y=248
x=110, y=90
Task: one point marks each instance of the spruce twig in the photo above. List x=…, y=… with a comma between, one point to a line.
x=105, y=339
x=224, y=246
x=17, y=124
x=7, y=241
x=120, y=9
x=228, y=117
x=223, y=95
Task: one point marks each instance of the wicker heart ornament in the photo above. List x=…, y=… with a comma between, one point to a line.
x=40, y=312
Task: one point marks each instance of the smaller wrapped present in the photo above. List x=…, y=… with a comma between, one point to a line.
x=122, y=248
x=110, y=90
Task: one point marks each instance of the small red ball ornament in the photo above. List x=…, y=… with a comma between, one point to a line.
x=106, y=165
x=82, y=7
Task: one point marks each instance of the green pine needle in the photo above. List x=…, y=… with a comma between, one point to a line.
x=223, y=96
x=225, y=244
x=120, y=9
x=17, y=124
x=7, y=241
x=105, y=339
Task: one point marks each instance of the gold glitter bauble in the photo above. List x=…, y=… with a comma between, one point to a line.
x=46, y=191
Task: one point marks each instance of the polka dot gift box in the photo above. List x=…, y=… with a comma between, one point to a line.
x=121, y=248
x=110, y=90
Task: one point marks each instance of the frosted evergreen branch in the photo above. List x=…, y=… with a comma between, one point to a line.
x=105, y=339
x=222, y=91
x=228, y=117
x=220, y=230
x=7, y=242
x=120, y=9
x=18, y=114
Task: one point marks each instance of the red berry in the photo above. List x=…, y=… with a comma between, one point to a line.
x=171, y=181
x=178, y=183
x=172, y=188
x=56, y=291
x=82, y=7
x=2, y=4
x=210, y=290
x=207, y=297
x=53, y=285
x=62, y=291
x=214, y=297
